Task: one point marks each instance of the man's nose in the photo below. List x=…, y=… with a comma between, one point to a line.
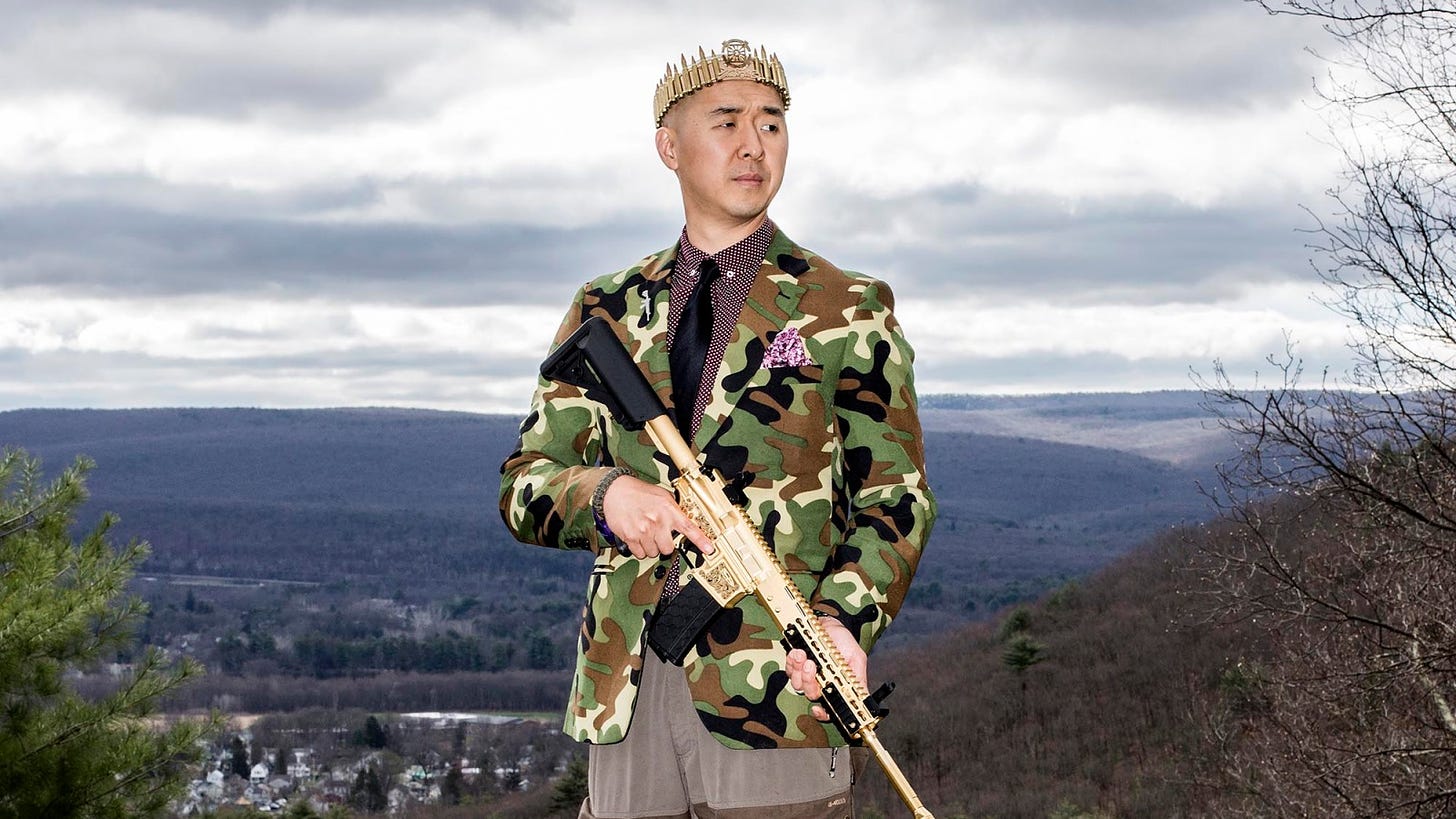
x=752, y=145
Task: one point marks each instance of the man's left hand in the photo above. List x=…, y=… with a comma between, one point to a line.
x=802, y=670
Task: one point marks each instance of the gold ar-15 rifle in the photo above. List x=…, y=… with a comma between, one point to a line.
x=741, y=563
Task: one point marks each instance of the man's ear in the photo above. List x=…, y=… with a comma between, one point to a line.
x=666, y=147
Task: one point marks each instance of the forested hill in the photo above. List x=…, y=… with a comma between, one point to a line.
x=334, y=458
x=402, y=502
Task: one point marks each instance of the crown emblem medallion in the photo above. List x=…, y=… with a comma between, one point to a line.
x=736, y=53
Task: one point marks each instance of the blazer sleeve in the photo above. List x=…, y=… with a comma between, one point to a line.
x=547, y=482
x=886, y=507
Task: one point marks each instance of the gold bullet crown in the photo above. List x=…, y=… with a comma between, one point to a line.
x=737, y=62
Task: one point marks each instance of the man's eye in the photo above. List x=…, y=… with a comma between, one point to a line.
x=769, y=127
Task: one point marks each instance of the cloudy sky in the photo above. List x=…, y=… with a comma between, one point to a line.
x=341, y=202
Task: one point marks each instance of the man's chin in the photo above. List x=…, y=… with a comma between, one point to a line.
x=749, y=210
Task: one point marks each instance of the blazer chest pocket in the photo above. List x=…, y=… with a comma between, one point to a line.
x=790, y=400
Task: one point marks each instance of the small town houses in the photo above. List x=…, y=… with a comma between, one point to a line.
x=323, y=787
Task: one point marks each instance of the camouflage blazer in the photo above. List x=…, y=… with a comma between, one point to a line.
x=828, y=455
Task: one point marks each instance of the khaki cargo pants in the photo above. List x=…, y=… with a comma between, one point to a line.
x=670, y=767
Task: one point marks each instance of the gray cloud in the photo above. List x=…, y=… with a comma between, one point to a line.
x=1114, y=372
x=1126, y=12
x=67, y=230
x=515, y=10
x=69, y=378
x=1131, y=250
x=1143, y=250
x=75, y=379
x=1188, y=54
x=1102, y=372
x=21, y=11
x=180, y=64
x=231, y=60
x=103, y=248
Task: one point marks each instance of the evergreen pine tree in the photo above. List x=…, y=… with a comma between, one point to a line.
x=240, y=764
x=63, y=608
x=368, y=792
x=570, y=789
x=453, y=788
x=540, y=651
x=1022, y=652
x=300, y=809
x=374, y=733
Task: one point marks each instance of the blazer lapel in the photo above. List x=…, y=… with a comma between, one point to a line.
x=645, y=319
x=772, y=304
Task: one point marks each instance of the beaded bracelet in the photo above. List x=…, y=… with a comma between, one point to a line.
x=599, y=496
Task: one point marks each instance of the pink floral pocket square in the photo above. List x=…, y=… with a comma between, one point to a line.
x=787, y=350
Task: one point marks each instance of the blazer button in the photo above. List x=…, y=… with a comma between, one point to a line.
x=660, y=572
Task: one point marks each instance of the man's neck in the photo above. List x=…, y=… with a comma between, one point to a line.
x=713, y=237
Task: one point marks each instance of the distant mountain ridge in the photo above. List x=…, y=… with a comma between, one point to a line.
x=1168, y=425
x=405, y=500
x=352, y=458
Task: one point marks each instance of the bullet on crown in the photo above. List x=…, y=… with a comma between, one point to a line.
x=737, y=62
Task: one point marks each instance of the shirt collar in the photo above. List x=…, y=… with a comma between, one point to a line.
x=744, y=256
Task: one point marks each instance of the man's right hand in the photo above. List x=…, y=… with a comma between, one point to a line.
x=645, y=518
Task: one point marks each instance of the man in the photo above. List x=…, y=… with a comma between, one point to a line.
x=792, y=379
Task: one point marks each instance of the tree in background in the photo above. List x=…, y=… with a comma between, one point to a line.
x=1021, y=650
x=571, y=788
x=239, y=750
x=368, y=793
x=452, y=790
x=1021, y=653
x=374, y=733
x=63, y=609
x=540, y=651
x=1345, y=499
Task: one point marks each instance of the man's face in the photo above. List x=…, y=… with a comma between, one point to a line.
x=728, y=145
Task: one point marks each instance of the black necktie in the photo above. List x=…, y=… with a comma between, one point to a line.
x=690, y=347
